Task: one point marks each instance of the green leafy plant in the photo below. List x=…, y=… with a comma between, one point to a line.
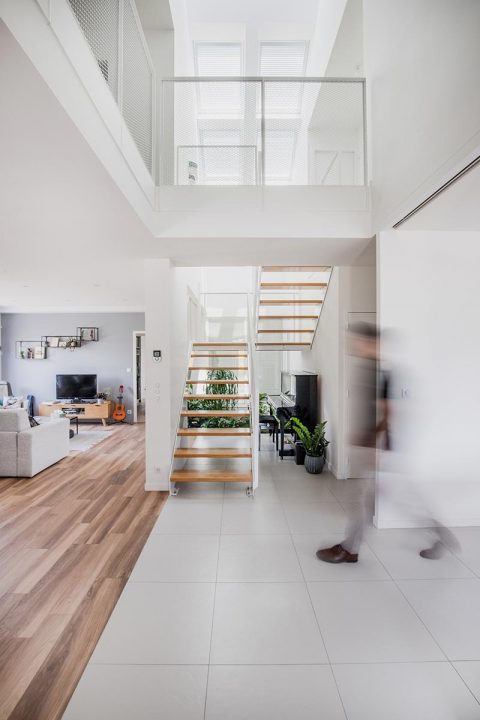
x=229, y=387
x=315, y=443
x=263, y=404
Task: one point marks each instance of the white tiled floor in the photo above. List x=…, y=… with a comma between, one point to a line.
x=228, y=615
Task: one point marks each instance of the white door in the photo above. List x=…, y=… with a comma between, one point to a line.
x=355, y=466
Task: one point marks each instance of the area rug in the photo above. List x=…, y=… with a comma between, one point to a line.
x=86, y=439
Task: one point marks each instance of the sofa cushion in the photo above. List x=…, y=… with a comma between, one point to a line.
x=14, y=420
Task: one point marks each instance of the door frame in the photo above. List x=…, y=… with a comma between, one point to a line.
x=136, y=333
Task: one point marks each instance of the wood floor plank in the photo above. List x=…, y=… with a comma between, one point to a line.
x=69, y=539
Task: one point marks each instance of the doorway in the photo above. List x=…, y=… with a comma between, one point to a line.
x=139, y=379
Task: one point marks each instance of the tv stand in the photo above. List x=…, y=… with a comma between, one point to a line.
x=85, y=410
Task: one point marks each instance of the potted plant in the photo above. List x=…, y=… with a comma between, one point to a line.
x=314, y=443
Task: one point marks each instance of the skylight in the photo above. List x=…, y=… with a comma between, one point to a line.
x=224, y=60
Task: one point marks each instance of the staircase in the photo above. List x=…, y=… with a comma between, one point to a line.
x=214, y=437
x=289, y=306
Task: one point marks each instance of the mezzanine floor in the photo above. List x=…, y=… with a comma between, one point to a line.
x=228, y=615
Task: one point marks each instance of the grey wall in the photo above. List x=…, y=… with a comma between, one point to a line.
x=108, y=359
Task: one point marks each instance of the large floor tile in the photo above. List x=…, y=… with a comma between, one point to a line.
x=470, y=672
x=350, y=489
x=265, y=623
x=246, y=518
x=368, y=566
x=315, y=517
x=265, y=492
x=370, y=622
x=450, y=610
x=159, y=623
x=303, y=489
x=303, y=692
x=178, y=558
x=404, y=691
x=143, y=692
x=189, y=516
x=258, y=558
x=399, y=552
x=206, y=492
x=469, y=552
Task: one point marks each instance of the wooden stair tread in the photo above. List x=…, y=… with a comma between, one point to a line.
x=288, y=317
x=210, y=367
x=275, y=285
x=282, y=331
x=213, y=432
x=212, y=476
x=213, y=452
x=290, y=301
x=284, y=343
x=212, y=396
x=215, y=413
x=217, y=382
x=296, y=268
x=218, y=355
x=219, y=344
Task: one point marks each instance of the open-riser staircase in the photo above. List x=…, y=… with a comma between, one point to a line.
x=214, y=437
x=290, y=300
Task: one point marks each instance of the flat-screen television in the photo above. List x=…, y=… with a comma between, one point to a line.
x=83, y=387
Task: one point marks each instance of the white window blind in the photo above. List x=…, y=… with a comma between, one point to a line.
x=286, y=58
x=224, y=59
x=279, y=60
x=213, y=60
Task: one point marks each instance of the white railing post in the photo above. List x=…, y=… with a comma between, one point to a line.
x=179, y=420
x=254, y=402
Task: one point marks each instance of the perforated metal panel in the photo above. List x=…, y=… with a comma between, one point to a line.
x=99, y=22
x=137, y=94
x=210, y=133
x=305, y=132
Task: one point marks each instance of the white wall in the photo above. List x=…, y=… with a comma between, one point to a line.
x=428, y=294
x=184, y=282
x=158, y=406
x=351, y=289
x=421, y=63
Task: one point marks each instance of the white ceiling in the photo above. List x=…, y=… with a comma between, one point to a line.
x=255, y=12
x=155, y=14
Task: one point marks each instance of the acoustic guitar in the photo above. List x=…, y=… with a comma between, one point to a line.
x=119, y=413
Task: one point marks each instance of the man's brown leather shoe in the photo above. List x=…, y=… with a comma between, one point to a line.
x=337, y=554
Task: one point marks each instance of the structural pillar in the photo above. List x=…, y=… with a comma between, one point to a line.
x=158, y=444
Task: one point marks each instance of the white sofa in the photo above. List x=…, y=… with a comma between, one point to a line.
x=25, y=451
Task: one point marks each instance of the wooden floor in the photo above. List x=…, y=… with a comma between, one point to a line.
x=69, y=539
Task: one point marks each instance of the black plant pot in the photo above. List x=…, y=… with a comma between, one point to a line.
x=314, y=464
x=299, y=454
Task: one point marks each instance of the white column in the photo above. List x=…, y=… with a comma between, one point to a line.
x=158, y=445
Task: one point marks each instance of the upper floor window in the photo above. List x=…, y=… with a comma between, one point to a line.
x=219, y=60
x=283, y=59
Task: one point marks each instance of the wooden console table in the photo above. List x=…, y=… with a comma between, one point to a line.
x=85, y=411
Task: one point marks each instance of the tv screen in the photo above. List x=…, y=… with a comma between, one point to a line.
x=83, y=387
